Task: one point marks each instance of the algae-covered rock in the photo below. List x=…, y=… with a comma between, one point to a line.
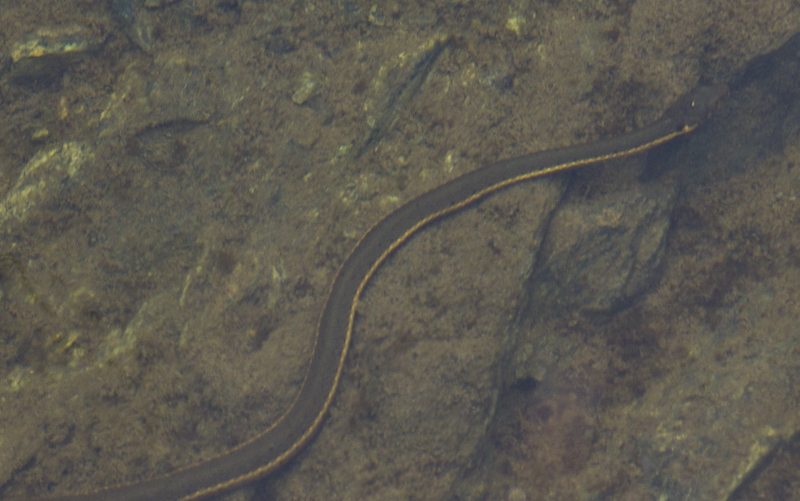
x=49, y=51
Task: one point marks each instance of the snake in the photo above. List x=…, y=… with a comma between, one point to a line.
x=275, y=446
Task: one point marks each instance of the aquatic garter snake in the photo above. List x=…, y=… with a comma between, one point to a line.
x=272, y=448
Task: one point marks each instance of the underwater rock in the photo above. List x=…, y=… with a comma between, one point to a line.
x=48, y=52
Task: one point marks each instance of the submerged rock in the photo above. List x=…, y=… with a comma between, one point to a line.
x=48, y=52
